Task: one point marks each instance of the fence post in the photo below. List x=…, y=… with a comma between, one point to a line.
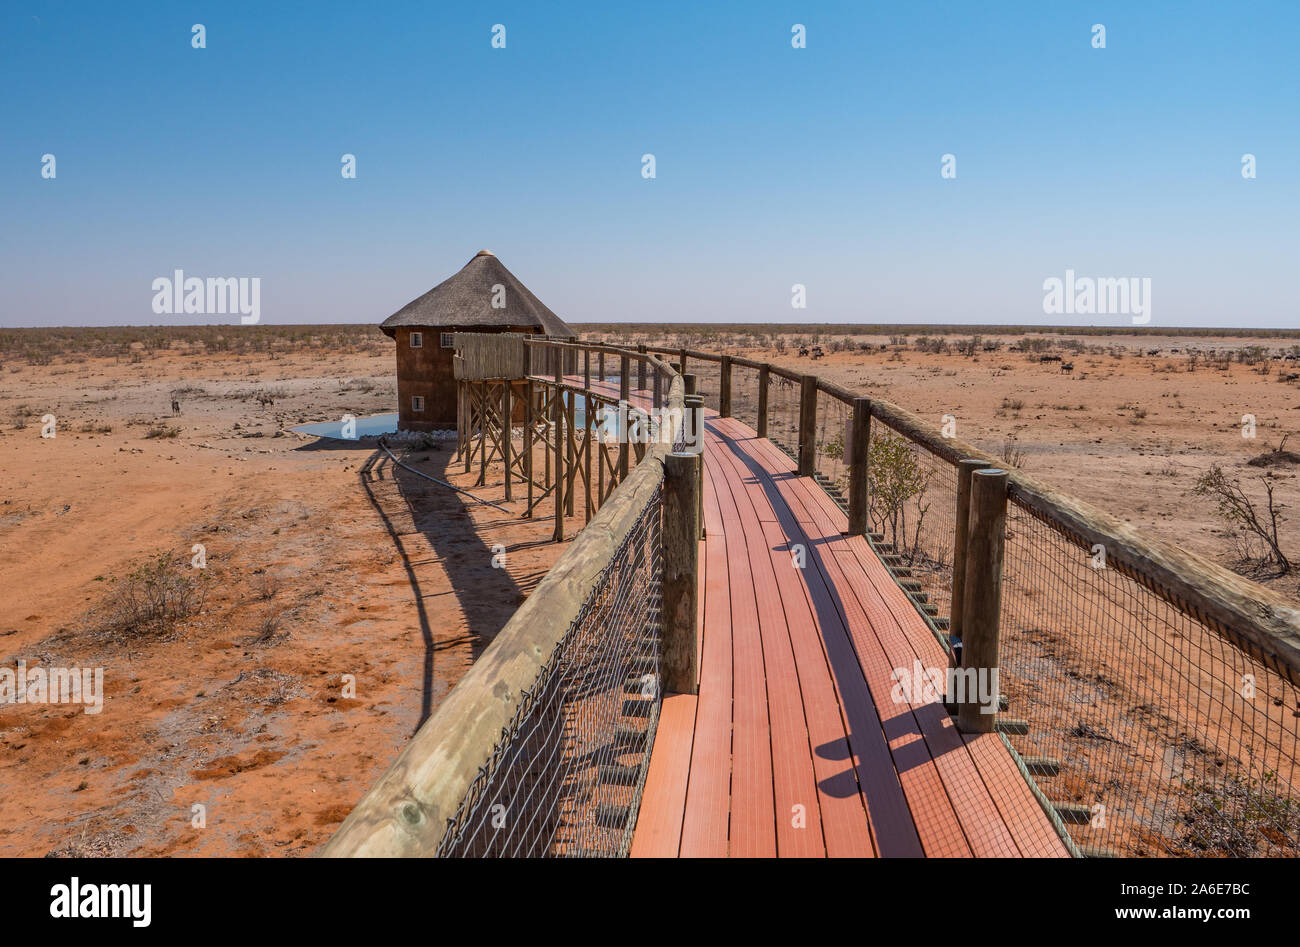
x=681, y=572
x=601, y=366
x=983, y=601
x=960, y=533
x=624, y=384
x=807, y=425
x=688, y=384
x=861, y=440
x=682, y=369
x=695, y=408
x=557, y=417
x=762, y=400
x=724, y=388
x=507, y=429
x=640, y=368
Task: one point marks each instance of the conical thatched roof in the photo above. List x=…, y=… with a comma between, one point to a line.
x=465, y=300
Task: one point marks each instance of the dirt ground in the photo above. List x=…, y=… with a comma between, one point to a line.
x=322, y=558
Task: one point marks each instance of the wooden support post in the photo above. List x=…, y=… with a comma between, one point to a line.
x=640, y=369
x=586, y=369
x=808, y=425
x=982, y=607
x=959, y=539
x=624, y=383
x=602, y=366
x=688, y=384
x=587, y=423
x=507, y=428
x=681, y=573
x=763, y=373
x=482, y=433
x=658, y=385
x=528, y=441
x=724, y=388
x=694, y=415
x=681, y=369
x=557, y=416
x=469, y=424
x=858, y=452
x=571, y=450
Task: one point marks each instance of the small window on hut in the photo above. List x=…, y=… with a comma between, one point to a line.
x=417, y=340
x=449, y=340
x=417, y=402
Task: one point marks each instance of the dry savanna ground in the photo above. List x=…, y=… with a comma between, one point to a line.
x=1130, y=428
x=326, y=564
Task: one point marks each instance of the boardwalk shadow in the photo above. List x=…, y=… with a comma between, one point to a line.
x=486, y=597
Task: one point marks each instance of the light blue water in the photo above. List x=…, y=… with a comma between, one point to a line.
x=372, y=426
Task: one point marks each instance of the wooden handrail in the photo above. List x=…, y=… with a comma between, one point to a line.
x=406, y=813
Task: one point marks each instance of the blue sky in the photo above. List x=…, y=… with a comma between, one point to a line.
x=774, y=165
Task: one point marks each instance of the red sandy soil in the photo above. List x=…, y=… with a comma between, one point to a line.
x=321, y=563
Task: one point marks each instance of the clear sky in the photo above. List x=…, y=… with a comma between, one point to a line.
x=774, y=165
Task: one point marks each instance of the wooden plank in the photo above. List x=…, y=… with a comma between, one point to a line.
x=844, y=825
x=905, y=638
x=935, y=818
x=753, y=832
x=663, y=801
x=1034, y=833
x=887, y=789
x=796, y=806
x=705, y=822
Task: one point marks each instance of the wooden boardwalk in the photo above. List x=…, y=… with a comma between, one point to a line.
x=795, y=745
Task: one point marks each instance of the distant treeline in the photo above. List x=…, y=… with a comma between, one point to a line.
x=39, y=346
x=888, y=329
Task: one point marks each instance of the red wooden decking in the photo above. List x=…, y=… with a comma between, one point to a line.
x=794, y=745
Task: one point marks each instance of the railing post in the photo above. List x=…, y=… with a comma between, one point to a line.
x=586, y=369
x=640, y=368
x=507, y=429
x=858, y=460
x=557, y=418
x=763, y=373
x=724, y=388
x=624, y=384
x=960, y=533
x=681, y=573
x=978, y=685
x=807, y=425
x=688, y=384
x=695, y=408
x=681, y=369
x=601, y=366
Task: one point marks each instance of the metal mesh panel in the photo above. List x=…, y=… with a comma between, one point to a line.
x=1153, y=733
x=832, y=439
x=912, y=505
x=566, y=777
x=708, y=380
x=783, y=413
x=744, y=395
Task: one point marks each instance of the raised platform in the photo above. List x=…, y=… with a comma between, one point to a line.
x=795, y=744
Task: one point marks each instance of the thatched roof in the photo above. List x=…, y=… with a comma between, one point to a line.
x=465, y=301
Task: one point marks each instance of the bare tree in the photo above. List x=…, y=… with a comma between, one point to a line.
x=1240, y=511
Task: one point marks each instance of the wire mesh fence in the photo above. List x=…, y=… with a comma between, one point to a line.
x=565, y=779
x=1149, y=732
x=744, y=395
x=708, y=380
x=912, y=505
x=831, y=440
x=783, y=413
